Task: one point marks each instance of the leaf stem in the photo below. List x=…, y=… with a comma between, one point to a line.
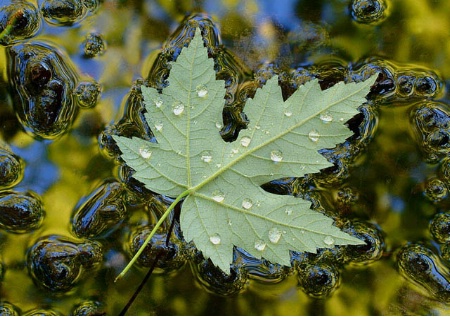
x=152, y=233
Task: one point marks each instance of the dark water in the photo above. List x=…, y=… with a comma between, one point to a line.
x=71, y=215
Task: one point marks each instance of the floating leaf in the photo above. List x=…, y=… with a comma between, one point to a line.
x=224, y=204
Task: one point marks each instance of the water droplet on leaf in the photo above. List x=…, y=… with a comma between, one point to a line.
x=247, y=203
x=178, y=108
x=202, y=91
x=288, y=113
x=288, y=211
x=326, y=117
x=159, y=126
x=145, y=152
x=245, y=141
x=276, y=156
x=218, y=196
x=158, y=102
x=274, y=235
x=219, y=125
x=215, y=239
x=260, y=245
x=206, y=157
x=328, y=240
x=314, y=135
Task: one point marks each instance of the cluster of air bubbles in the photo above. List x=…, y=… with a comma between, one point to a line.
x=436, y=190
x=369, y=11
x=94, y=45
x=396, y=81
x=167, y=251
x=101, y=212
x=430, y=121
x=67, y=12
x=87, y=93
x=43, y=81
x=422, y=266
x=18, y=21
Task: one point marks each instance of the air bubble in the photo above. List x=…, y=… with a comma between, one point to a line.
x=247, y=203
x=202, y=91
x=145, y=152
x=314, y=135
x=218, y=196
x=215, y=239
x=276, y=156
x=159, y=126
x=274, y=235
x=328, y=240
x=326, y=117
x=178, y=109
x=245, y=141
x=260, y=245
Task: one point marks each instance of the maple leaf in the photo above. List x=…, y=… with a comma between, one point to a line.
x=224, y=204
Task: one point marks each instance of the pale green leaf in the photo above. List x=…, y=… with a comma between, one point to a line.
x=225, y=205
